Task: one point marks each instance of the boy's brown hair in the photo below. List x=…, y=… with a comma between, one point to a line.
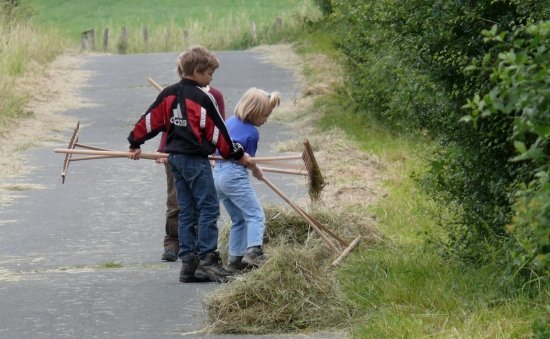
x=198, y=59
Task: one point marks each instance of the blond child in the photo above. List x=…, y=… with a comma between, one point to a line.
x=233, y=186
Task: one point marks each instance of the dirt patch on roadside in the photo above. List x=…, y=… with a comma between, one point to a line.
x=353, y=177
x=50, y=92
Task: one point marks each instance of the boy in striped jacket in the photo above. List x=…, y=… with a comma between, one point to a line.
x=195, y=129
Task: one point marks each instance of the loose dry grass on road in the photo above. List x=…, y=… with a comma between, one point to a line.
x=297, y=289
x=354, y=180
x=50, y=92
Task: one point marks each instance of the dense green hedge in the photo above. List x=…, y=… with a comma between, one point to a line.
x=424, y=65
x=520, y=75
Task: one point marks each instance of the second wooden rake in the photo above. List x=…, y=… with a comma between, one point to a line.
x=315, y=182
x=315, y=187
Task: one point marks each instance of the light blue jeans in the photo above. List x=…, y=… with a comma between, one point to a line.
x=199, y=205
x=241, y=203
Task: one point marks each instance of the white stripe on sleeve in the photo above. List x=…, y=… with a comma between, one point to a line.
x=203, y=117
x=215, y=136
x=148, y=122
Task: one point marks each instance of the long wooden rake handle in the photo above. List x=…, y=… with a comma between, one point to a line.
x=279, y=167
x=99, y=153
x=304, y=215
x=156, y=155
x=112, y=154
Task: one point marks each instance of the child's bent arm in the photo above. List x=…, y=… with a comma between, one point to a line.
x=246, y=161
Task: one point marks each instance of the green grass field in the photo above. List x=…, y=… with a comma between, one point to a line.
x=217, y=24
x=39, y=30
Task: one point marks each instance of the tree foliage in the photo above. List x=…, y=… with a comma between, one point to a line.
x=418, y=64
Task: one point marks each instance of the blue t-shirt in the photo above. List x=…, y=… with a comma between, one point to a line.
x=245, y=133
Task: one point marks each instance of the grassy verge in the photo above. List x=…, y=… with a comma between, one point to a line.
x=402, y=286
x=25, y=51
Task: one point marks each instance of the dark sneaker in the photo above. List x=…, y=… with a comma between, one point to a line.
x=235, y=264
x=169, y=255
x=189, y=265
x=210, y=268
x=254, y=257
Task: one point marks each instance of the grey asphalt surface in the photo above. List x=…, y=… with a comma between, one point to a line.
x=56, y=243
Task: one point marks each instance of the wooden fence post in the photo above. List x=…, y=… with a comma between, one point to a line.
x=83, y=41
x=105, y=39
x=185, y=39
x=254, y=31
x=87, y=39
x=278, y=23
x=145, y=36
x=123, y=43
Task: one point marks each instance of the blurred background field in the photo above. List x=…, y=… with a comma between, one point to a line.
x=154, y=26
x=35, y=32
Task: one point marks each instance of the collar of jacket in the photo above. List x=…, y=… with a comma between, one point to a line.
x=189, y=82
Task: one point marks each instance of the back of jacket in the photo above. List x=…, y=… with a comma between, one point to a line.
x=191, y=119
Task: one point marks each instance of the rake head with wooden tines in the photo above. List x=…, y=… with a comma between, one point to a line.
x=68, y=156
x=316, y=181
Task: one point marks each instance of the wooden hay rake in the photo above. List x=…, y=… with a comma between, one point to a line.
x=276, y=164
x=316, y=184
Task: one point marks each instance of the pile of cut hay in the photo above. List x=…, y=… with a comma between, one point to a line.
x=297, y=289
x=293, y=291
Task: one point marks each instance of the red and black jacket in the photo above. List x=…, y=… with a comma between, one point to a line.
x=191, y=119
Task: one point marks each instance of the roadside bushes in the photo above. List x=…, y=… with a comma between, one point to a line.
x=421, y=66
x=519, y=68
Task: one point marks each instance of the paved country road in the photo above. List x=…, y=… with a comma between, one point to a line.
x=83, y=259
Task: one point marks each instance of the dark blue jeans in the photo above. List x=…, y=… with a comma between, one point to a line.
x=198, y=202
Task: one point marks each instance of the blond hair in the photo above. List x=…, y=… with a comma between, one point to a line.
x=198, y=59
x=255, y=104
